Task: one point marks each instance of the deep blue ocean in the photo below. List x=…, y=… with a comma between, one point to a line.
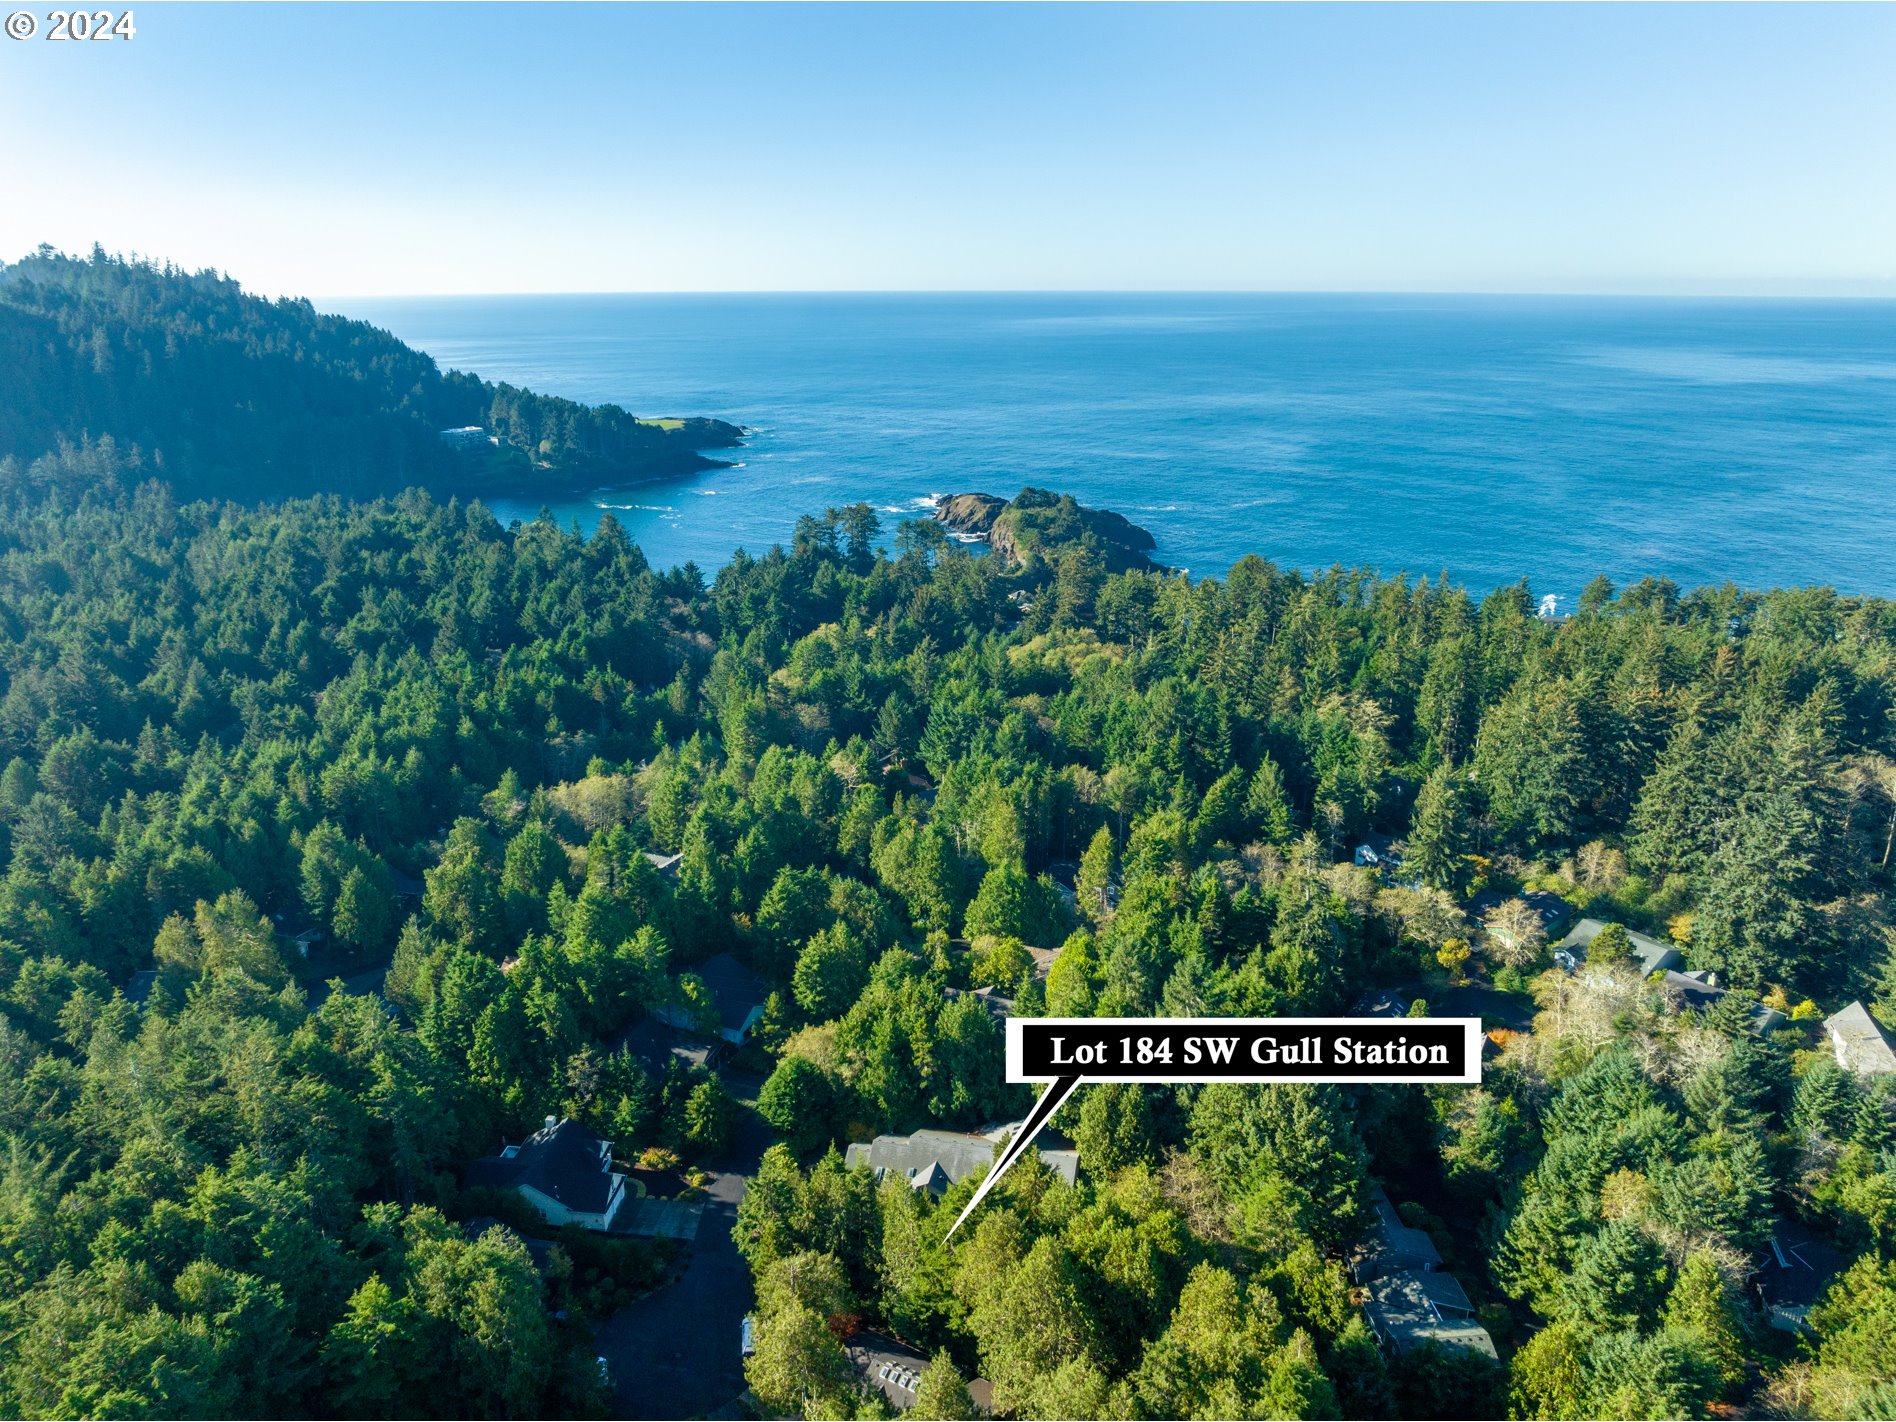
x=1493, y=438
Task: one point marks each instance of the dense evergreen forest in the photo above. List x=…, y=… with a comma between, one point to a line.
x=229, y=395
x=229, y=1188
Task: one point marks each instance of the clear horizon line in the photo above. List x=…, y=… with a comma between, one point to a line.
x=1887, y=293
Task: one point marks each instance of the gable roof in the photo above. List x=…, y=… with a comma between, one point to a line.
x=1406, y=1311
x=1860, y=1042
x=736, y=989
x=1391, y=1246
x=560, y=1160
x=1652, y=954
x=894, y=1369
x=934, y=1160
x=1551, y=908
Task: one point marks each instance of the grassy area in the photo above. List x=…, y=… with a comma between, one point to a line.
x=664, y=424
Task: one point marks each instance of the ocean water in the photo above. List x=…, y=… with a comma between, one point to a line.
x=1493, y=438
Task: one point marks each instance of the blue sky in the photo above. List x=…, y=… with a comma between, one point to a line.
x=362, y=149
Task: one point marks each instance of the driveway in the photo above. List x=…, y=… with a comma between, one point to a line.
x=674, y=1353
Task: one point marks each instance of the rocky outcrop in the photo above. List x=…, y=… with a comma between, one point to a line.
x=970, y=515
x=1038, y=522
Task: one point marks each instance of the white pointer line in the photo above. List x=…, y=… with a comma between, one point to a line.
x=1043, y=1111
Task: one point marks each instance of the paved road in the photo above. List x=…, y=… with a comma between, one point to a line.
x=674, y=1353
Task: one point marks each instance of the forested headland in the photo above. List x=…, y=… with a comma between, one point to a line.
x=228, y=1187
x=226, y=394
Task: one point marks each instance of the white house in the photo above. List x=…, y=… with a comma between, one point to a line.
x=561, y=1171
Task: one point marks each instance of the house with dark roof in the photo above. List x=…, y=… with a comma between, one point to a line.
x=540, y=1251
x=1410, y=1300
x=138, y=990
x=1384, y=1002
x=1552, y=910
x=562, y=1171
x=1859, y=1041
x=999, y=1006
x=1377, y=851
x=1406, y=1310
x=1390, y=1246
x=735, y=989
x=1790, y=1276
x=934, y=1160
x=895, y=1370
x=1700, y=992
x=1651, y=955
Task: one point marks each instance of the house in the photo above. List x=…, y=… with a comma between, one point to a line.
x=540, y=1251
x=1859, y=1042
x=1000, y=1008
x=1377, y=851
x=1552, y=910
x=1385, y=1003
x=1391, y=1247
x=1410, y=1300
x=138, y=990
x=894, y=1369
x=1791, y=1276
x=934, y=1160
x=1406, y=1310
x=657, y=1045
x=891, y=1368
x=1651, y=955
x=466, y=437
x=736, y=991
x=1700, y=991
x=306, y=940
x=666, y=864
x=562, y=1171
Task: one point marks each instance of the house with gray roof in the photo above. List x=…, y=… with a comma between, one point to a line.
x=1391, y=1246
x=1651, y=954
x=895, y=1370
x=562, y=1171
x=1859, y=1041
x=1552, y=910
x=1406, y=1310
x=934, y=1160
x=735, y=989
x=1700, y=992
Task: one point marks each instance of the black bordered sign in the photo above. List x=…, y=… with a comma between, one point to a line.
x=1405, y=1050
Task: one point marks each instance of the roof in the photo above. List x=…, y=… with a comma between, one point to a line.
x=139, y=988
x=1387, y=1002
x=1700, y=992
x=934, y=1160
x=1652, y=954
x=1553, y=909
x=656, y=1044
x=892, y=1368
x=999, y=1008
x=1376, y=850
x=1860, y=1041
x=666, y=864
x=540, y=1251
x=1795, y=1273
x=735, y=987
x=561, y=1161
x=1407, y=1310
x=1391, y=1246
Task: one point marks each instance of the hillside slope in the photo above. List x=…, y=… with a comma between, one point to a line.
x=233, y=395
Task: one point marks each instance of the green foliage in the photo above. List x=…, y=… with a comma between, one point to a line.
x=451, y=745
